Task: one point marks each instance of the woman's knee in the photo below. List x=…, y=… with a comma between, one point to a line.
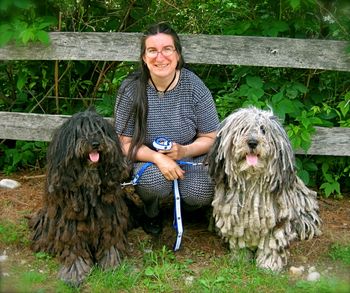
x=197, y=197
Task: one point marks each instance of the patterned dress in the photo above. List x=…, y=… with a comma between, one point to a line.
x=179, y=115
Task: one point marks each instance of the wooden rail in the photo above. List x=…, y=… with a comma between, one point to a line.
x=201, y=49
x=207, y=49
x=39, y=127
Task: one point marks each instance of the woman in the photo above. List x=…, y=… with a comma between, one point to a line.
x=166, y=100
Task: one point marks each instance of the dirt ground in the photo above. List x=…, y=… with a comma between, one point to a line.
x=198, y=243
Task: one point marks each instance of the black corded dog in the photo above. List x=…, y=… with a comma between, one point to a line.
x=84, y=218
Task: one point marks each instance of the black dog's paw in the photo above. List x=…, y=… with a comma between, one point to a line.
x=111, y=259
x=76, y=273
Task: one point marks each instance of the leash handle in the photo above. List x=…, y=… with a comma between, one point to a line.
x=162, y=143
x=177, y=216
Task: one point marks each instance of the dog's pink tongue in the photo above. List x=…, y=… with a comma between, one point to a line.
x=252, y=159
x=94, y=156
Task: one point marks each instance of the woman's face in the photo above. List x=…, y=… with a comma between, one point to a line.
x=160, y=55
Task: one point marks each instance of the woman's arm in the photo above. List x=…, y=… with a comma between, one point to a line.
x=200, y=146
x=167, y=165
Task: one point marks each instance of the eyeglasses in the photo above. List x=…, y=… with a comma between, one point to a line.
x=166, y=52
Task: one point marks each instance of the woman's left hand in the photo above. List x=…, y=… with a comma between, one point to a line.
x=177, y=151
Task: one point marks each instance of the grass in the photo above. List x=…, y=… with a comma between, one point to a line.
x=340, y=252
x=156, y=270
x=14, y=233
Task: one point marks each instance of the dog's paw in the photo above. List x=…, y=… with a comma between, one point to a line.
x=273, y=261
x=110, y=259
x=244, y=255
x=75, y=274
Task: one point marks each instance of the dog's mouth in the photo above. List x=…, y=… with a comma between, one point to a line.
x=94, y=156
x=252, y=159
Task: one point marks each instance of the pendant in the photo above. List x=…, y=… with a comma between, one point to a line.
x=160, y=94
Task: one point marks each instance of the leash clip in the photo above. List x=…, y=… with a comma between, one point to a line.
x=124, y=184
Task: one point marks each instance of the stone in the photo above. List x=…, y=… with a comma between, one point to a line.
x=9, y=183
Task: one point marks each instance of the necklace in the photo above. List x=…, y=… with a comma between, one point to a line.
x=162, y=93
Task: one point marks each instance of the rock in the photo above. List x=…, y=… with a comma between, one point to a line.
x=189, y=280
x=313, y=276
x=9, y=183
x=3, y=257
x=297, y=271
x=311, y=270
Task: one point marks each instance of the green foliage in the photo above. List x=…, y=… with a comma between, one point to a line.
x=13, y=233
x=160, y=270
x=23, y=155
x=322, y=286
x=21, y=23
x=340, y=252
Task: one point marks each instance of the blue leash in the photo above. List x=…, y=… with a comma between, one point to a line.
x=165, y=144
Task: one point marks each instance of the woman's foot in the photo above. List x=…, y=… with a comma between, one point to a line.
x=153, y=226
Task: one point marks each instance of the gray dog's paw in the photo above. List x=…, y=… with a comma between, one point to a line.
x=76, y=273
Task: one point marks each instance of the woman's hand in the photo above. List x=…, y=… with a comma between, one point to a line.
x=168, y=167
x=200, y=146
x=177, y=151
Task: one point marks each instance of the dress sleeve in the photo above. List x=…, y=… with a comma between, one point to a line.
x=124, y=118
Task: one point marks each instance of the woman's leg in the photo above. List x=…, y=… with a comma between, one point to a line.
x=197, y=188
x=151, y=188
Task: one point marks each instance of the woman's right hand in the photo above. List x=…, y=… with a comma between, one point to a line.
x=168, y=167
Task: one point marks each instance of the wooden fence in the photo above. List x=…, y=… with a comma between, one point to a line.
x=200, y=49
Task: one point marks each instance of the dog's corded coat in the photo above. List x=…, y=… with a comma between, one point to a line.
x=260, y=203
x=84, y=217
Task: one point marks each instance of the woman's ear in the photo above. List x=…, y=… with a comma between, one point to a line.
x=144, y=59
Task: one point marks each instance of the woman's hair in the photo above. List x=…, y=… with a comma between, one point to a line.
x=140, y=104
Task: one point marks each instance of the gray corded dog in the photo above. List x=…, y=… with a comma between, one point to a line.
x=260, y=203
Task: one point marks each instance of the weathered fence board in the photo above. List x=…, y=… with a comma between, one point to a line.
x=201, y=49
x=39, y=127
x=208, y=49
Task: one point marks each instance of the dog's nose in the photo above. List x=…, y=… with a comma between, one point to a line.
x=95, y=144
x=252, y=143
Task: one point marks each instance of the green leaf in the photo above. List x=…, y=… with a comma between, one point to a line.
x=5, y=37
x=327, y=189
x=305, y=136
x=244, y=90
x=285, y=106
x=27, y=35
x=43, y=37
x=311, y=166
x=272, y=28
x=254, y=82
x=277, y=97
x=296, y=141
x=304, y=175
x=300, y=87
x=292, y=93
x=239, y=29
x=328, y=177
x=23, y=4
x=149, y=271
x=255, y=93
x=295, y=4
x=21, y=81
x=5, y=4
